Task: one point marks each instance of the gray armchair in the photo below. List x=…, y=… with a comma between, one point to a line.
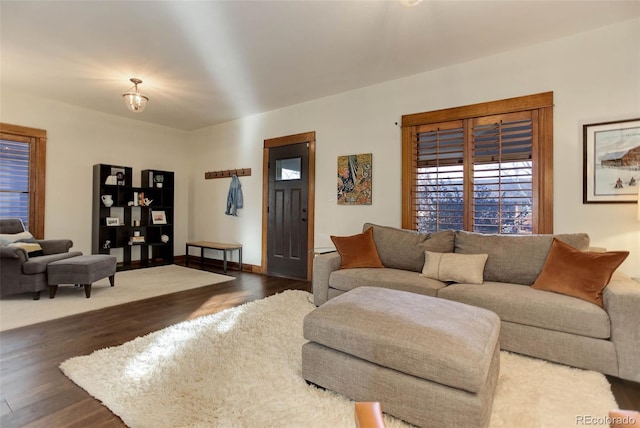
x=20, y=273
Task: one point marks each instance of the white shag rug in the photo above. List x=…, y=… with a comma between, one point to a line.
x=20, y=310
x=242, y=368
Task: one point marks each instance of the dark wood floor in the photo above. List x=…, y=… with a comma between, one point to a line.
x=35, y=393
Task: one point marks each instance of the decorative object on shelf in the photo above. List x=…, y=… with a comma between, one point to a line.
x=133, y=98
x=158, y=217
x=164, y=238
x=147, y=202
x=354, y=179
x=111, y=180
x=107, y=200
x=141, y=199
x=136, y=223
x=158, y=179
x=136, y=240
x=611, y=162
x=119, y=173
x=107, y=244
x=136, y=199
x=113, y=221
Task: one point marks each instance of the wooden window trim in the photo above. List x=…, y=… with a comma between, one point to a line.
x=508, y=105
x=542, y=154
x=37, y=138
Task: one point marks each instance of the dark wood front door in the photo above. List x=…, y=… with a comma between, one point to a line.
x=287, y=211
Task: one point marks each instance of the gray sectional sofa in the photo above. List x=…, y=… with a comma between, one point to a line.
x=537, y=323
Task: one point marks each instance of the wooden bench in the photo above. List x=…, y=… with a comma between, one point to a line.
x=215, y=246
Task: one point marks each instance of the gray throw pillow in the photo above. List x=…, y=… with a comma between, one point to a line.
x=404, y=249
x=516, y=259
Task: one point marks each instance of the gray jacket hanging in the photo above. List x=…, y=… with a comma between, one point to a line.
x=234, y=197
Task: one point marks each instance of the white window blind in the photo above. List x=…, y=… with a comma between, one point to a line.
x=14, y=180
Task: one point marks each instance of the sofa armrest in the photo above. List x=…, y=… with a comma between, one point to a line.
x=11, y=261
x=55, y=246
x=622, y=302
x=323, y=265
x=19, y=254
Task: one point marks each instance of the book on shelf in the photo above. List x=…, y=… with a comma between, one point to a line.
x=137, y=239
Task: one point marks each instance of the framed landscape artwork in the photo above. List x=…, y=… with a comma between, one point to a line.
x=611, y=162
x=354, y=179
x=158, y=217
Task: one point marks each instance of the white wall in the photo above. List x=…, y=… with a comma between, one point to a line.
x=595, y=77
x=77, y=139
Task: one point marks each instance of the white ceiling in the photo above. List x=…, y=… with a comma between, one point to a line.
x=208, y=62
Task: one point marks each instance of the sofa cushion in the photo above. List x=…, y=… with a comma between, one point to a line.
x=404, y=249
x=467, y=268
x=39, y=264
x=396, y=279
x=514, y=259
x=11, y=225
x=357, y=251
x=580, y=274
x=527, y=306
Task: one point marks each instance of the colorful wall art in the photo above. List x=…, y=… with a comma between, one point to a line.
x=354, y=179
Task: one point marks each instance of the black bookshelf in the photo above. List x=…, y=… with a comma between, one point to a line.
x=138, y=216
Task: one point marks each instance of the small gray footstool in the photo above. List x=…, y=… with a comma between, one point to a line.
x=428, y=361
x=81, y=270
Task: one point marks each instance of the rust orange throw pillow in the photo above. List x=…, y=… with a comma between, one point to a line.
x=580, y=274
x=357, y=251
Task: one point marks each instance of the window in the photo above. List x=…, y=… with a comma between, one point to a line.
x=483, y=168
x=288, y=169
x=22, y=175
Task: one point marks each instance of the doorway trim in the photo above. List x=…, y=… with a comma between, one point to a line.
x=305, y=137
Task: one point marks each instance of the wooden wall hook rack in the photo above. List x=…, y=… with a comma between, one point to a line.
x=240, y=172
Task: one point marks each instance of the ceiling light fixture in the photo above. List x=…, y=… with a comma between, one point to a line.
x=133, y=99
x=410, y=3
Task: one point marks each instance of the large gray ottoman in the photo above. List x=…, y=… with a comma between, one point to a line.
x=428, y=361
x=81, y=270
